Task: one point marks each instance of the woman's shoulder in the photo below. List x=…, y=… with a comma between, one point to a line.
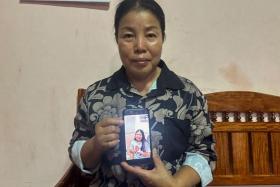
x=98, y=85
x=134, y=142
x=189, y=86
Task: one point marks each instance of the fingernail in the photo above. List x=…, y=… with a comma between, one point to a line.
x=155, y=151
x=121, y=121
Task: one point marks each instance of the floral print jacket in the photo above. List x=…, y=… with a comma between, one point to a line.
x=178, y=117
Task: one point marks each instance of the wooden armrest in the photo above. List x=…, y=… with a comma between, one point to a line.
x=67, y=178
x=74, y=177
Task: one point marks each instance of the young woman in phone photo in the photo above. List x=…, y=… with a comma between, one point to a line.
x=139, y=147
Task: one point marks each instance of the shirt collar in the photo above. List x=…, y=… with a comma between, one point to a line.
x=167, y=79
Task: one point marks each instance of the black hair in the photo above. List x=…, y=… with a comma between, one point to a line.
x=150, y=5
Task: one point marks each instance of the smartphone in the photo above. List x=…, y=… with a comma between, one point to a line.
x=136, y=137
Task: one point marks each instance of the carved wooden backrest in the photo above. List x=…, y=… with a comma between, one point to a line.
x=247, y=132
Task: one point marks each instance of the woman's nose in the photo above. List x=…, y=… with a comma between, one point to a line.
x=140, y=45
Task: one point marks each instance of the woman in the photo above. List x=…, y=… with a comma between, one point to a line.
x=139, y=146
x=182, y=141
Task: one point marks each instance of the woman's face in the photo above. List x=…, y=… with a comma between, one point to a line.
x=138, y=136
x=140, y=43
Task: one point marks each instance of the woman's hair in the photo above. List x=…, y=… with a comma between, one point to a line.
x=148, y=5
x=143, y=139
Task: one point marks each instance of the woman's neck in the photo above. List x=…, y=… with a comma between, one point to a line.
x=143, y=85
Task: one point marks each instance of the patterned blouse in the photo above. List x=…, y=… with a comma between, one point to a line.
x=178, y=117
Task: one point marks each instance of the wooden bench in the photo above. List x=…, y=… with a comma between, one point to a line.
x=247, y=133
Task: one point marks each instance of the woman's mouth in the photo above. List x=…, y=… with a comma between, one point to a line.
x=141, y=61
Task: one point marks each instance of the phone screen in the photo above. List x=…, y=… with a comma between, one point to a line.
x=137, y=136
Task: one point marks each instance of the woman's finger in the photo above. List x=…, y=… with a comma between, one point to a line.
x=111, y=129
x=111, y=121
x=157, y=161
x=110, y=137
x=134, y=169
x=111, y=144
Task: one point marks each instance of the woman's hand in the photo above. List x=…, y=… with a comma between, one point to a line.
x=157, y=177
x=107, y=133
x=160, y=177
x=141, y=152
x=146, y=154
x=106, y=137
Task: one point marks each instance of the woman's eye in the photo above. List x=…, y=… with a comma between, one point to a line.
x=128, y=36
x=151, y=35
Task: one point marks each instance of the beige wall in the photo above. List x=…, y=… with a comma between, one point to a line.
x=47, y=52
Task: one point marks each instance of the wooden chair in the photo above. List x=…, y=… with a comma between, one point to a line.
x=73, y=177
x=247, y=133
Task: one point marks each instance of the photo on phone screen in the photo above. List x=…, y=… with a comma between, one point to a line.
x=137, y=136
